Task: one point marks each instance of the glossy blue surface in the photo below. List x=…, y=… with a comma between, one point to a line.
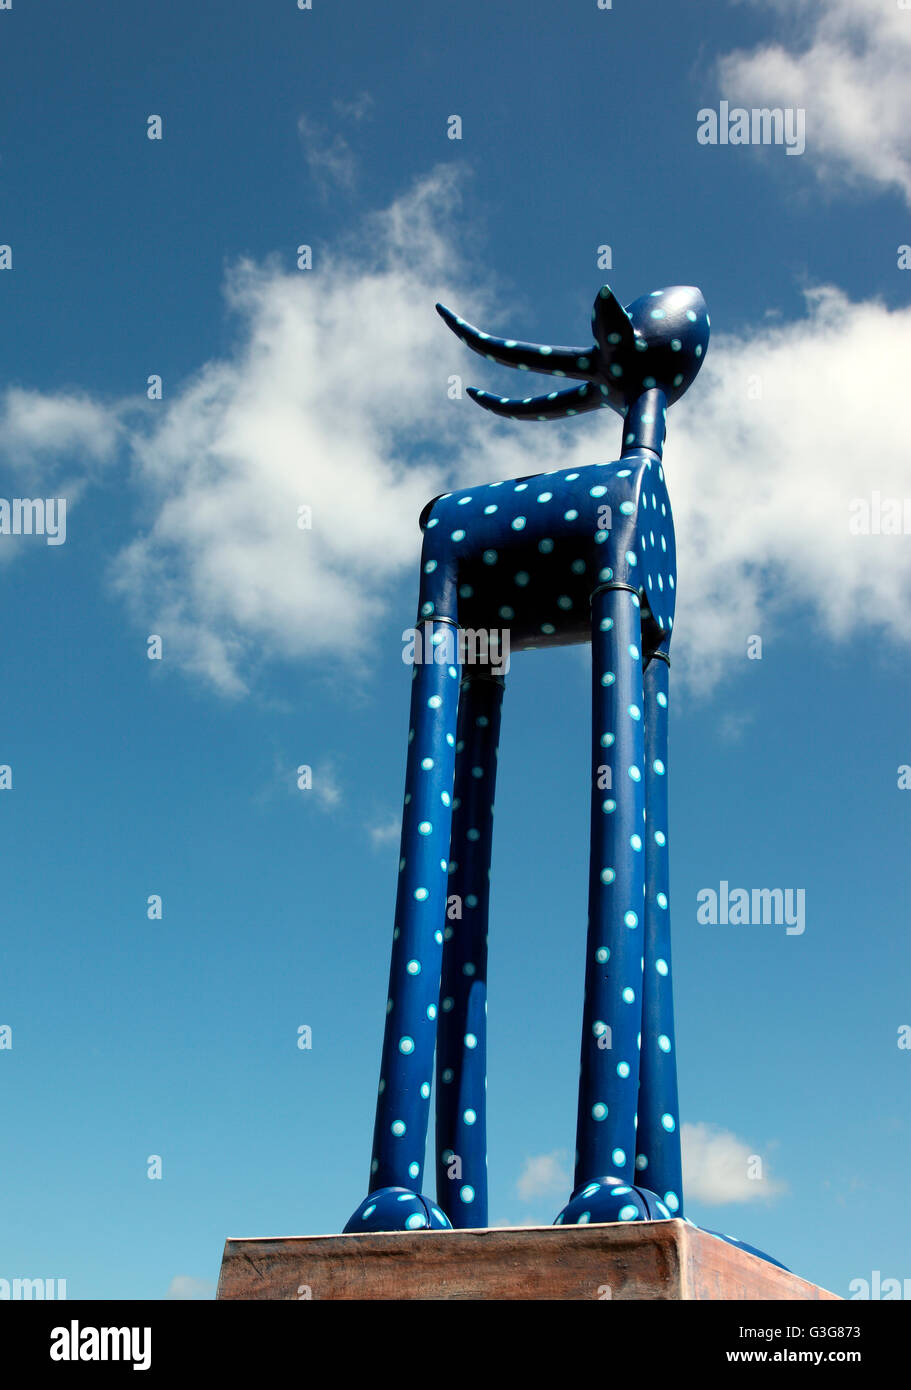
x=575, y=555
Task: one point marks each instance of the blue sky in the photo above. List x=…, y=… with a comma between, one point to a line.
x=329, y=388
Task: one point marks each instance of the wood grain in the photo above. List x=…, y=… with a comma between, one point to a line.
x=641, y=1260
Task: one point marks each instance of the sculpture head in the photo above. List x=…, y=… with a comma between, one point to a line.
x=657, y=344
x=664, y=345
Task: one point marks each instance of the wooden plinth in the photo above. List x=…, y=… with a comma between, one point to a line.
x=641, y=1260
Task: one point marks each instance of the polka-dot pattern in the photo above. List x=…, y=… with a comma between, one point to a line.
x=408, y=1051
x=658, y=1112
x=613, y=995
x=608, y=1199
x=461, y=1040
x=576, y=556
x=396, y=1209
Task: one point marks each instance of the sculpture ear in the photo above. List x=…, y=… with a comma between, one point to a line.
x=555, y=406
x=611, y=323
x=532, y=357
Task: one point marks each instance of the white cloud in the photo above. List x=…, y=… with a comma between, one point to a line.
x=385, y=834
x=330, y=159
x=731, y=726
x=336, y=399
x=54, y=445
x=849, y=70
x=184, y=1286
x=39, y=431
x=716, y=1168
x=544, y=1175
x=326, y=786
x=762, y=489
x=355, y=109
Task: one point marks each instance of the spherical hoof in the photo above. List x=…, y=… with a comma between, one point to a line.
x=397, y=1209
x=610, y=1199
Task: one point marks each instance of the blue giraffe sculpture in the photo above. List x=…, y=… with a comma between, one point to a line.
x=580, y=555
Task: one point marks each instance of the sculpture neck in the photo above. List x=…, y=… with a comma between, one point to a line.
x=644, y=425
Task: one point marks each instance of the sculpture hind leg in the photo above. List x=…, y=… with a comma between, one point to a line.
x=658, y=1162
x=461, y=1071
x=403, y=1104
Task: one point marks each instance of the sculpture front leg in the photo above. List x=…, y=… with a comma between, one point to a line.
x=461, y=1074
x=403, y=1104
x=612, y=1015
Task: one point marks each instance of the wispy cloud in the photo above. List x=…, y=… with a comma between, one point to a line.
x=717, y=1167
x=54, y=444
x=326, y=786
x=545, y=1175
x=848, y=68
x=42, y=431
x=331, y=161
x=329, y=157
x=184, y=1286
x=732, y=727
x=356, y=109
x=385, y=833
x=334, y=402
x=763, y=462
x=337, y=400
x=764, y=458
